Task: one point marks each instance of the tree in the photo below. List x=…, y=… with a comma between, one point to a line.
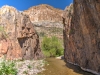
x=52, y=46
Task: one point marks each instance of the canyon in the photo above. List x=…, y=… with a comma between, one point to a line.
x=77, y=25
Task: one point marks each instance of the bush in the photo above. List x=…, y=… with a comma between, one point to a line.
x=3, y=34
x=7, y=68
x=52, y=46
x=42, y=34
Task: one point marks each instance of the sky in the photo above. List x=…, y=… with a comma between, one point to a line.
x=25, y=4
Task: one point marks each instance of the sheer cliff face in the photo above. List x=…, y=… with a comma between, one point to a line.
x=82, y=43
x=22, y=40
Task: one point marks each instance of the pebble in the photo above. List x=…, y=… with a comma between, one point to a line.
x=30, y=67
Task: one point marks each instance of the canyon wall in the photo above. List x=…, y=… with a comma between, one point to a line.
x=47, y=20
x=18, y=38
x=82, y=35
x=44, y=12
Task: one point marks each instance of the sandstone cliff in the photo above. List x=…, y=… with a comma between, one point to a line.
x=22, y=40
x=82, y=35
x=47, y=20
x=44, y=12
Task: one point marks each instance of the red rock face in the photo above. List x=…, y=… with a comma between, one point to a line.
x=82, y=42
x=3, y=47
x=28, y=40
x=22, y=41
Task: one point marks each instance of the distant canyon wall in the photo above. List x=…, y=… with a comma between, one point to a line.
x=44, y=12
x=82, y=35
x=47, y=20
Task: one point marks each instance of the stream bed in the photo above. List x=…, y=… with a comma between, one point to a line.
x=59, y=67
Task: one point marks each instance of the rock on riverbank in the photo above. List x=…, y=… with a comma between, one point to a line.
x=30, y=67
x=24, y=67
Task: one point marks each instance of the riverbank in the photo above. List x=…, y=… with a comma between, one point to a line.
x=87, y=70
x=30, y=67
x=22, y=67
x=47, y=66
x=60, y=57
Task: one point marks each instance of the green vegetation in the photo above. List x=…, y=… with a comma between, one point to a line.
x=7, y=68
x=52, y=46
x=29, y=66
x=25, y=72
x=3, y=34
x=42, y=34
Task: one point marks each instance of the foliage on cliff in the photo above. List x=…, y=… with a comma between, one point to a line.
x=3, y=34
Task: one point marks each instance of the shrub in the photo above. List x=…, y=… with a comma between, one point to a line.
x=7, y=68
x=29, y=66
x=3, y=34
x=25, y=72
x=42, y=34
x=52, y=46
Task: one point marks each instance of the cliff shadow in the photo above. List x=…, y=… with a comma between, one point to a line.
x=77, y=69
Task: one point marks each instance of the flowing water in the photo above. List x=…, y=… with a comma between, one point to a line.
x=59, y=67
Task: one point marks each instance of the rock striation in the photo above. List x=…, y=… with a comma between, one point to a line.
x=21, y=40
x=82, y=35
x=47, y=20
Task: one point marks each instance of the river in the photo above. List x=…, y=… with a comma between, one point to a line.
x=59, y=67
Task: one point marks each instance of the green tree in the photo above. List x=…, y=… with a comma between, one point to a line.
x=52, y=46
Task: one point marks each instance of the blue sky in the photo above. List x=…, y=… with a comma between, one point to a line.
x=25, y=4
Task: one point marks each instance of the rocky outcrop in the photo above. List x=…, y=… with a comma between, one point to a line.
x=82, y=41
x=67, y=17
x=22, y=41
